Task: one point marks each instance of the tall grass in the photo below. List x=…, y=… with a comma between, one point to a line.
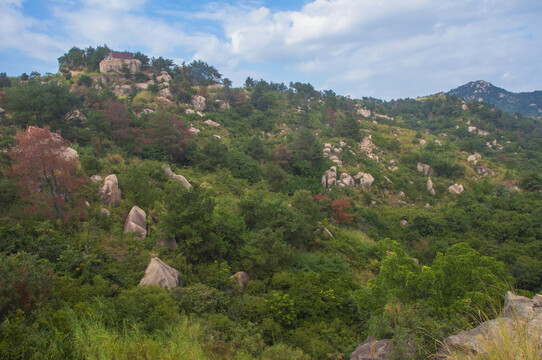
x=506, y=340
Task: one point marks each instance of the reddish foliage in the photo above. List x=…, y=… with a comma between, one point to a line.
x=331, y=116
x=116, y=113
x=282, y=156
x=45, y=170
x=339, y=206
x=320, y=197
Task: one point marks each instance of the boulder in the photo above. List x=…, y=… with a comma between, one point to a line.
x=430, y=188
x=210, y=122
x=366, y=180
x=192, y=130
x=95, y=178
x=115, y=65
x=105, y=212
x=328, y=146
x=425, y=168
x=163, y=77
x=177, y=177
x=136, y=222
x=161, y=274
x=423, y=142
x=189, y=111
x=364, y=112
x=347, y=180
x=330, y=177
x=198, y=102
x=404, y=223
x=517, y=310
x=166, y=93
x=241, y=278
x=110, y=192
x=456, y=189
x=483, y=170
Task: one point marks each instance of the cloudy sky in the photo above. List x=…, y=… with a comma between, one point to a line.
x=387, y=49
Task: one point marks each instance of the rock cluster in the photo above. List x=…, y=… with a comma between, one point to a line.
x=373, y=349
x=332, y=153
x=330, y=177
x=483, y=170
x=177, y=177
x=517, y=310
x=110, y=192
x=161, y=274
x=367, y=147
x=136, y=222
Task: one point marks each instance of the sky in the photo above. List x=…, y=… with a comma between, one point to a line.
x=387, y=49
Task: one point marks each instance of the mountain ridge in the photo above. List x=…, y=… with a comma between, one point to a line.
x=526, y=103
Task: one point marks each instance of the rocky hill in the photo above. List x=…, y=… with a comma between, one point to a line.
x=526, y=103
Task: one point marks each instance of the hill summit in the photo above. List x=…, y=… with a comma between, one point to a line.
x=526, y=103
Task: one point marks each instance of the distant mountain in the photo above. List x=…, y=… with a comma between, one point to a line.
x=526, y=103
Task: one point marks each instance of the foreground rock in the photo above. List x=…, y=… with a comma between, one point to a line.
x=110, y=192
x=161, y=274
x=136, y=222
x=177, y=177
x=517, y=310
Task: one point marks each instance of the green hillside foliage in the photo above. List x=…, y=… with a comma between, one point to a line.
x=328, y=267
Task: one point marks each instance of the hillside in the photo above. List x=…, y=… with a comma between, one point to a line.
x=164, y=214
x=526, y=103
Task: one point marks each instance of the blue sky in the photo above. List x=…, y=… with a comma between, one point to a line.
x=387, y=49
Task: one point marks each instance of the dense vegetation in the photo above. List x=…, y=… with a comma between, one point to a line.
x=328, y=267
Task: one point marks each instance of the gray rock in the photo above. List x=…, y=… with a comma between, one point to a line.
x=241, y=278
x=199, y=103
x=96, y=178
x=456, y=189
x=177, y=177
x=189, y=111
x=136, y=222
x=366, y=180
x=110, y=192
x=517, y=306
x=404, y=223
x=330, y=177
x=425, y=168
x=161, y=274
x=347, y=180
x=429, y=186
x=210, y=122
x=423, y=142
x=373, y=349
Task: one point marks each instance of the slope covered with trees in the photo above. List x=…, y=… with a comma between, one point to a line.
x=328, y=266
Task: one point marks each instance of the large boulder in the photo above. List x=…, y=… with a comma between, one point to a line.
x=136, y=222
x=330, y=177
x=519, y=312
x=199, y=103
x=456, y=189
x=425, y=168
x=241, y=278
x=365, y=179
x=177, y=177
x=115, y=65
x=161, y=274
x=110, y=192
x=347, y=180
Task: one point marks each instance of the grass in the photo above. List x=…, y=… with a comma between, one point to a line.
x=508, y=340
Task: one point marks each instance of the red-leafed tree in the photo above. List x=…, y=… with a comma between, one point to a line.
x=340, y=206
x=44, y=165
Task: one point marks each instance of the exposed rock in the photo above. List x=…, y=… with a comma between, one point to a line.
x=136, y=222
x=464, y=107
x=438, y=142
x=474, y=158
x=115, y=65
x=430, y=188
x=160, y=273
x=170, y=243
x=210, y=122
x=483, y=170
x=456, y=189
x=199, y=103
x=425, y=168
x=75, y=117
x=189, y=111
x=224, y=105
x=404, y=223
x=423, y=142
x=163, y=77
x=401, y=194
x=327, y=146
x=517, y=309
x=372, y=349
x=364, y=112
x=69, y=154
x=366, y=180
x=367, y=147
x=110, y=192
x=330, y=177
x=347, y=180
x=96, y=178
x=165, y=93
x=177, y=177
x=471, y=128
x=122, y=90
x=217, y=136
x=337, y=151
x=192, y=130
x=241, y=278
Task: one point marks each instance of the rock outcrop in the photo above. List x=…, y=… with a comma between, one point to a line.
x=456, y=189
x=115, y=65
x=330, y=177
x=430, y=188
x=199, y=103
x=518, y=311
x=373, y=349
x=367, y=147
x=161, y=274
x=110, y=192
x=177, y=177
x=241, y=278
x=136, y=222
x=347, y=180
x=425, y=168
